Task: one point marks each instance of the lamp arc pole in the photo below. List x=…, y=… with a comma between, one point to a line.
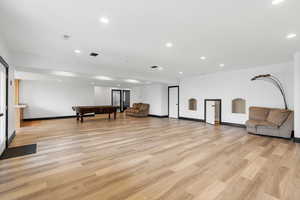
x=276, y=82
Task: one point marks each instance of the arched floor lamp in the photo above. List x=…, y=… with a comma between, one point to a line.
x=275, y=81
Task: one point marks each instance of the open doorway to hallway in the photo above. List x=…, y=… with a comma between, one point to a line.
x=126, y=99
x=213, y=111
x=121, y=99
x=116, y=100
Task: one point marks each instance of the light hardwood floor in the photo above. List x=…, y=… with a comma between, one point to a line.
x=149, y=158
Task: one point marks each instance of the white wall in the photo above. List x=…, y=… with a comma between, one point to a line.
x=102, y=95
x=155, y=94
x=136, y=95
x=52, y=99
x=297, y=93
x=236, y=84
x=4, y=53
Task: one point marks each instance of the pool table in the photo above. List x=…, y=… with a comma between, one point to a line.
x=83, y=110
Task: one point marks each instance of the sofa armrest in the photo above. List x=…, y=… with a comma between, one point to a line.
x=285, y=130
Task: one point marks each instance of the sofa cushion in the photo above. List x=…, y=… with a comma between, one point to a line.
x=144, y=107
x=258, y=113
x=132, y=110
x=256, y=123
x=136, y=105
x=252, y=123
x=278, y=116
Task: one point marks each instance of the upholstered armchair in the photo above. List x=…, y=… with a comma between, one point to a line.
x=138, y=110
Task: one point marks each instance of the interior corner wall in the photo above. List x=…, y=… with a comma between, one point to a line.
x=54, y=99
x=156, y=95
x=102, y=95
x=4, y=53
x=297, y=94
x=229, y=85
x=136, y=95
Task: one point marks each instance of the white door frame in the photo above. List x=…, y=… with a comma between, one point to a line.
x=220, y=100
x=5, y=65
x=176, y=86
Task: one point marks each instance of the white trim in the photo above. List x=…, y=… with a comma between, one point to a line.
x=2, y=148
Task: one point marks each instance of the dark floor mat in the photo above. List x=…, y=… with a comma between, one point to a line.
x=18, y=151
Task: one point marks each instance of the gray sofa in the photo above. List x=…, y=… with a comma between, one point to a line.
x=270, y=122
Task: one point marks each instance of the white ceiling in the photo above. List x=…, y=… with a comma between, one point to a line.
x=238, y=33
x=27, y=73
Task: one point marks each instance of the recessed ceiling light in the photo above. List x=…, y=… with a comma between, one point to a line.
x=62, y=73
x=276, y=2
x=180, y=72
x=104, y=78
x=291, y=35
x=77, y=51
x=222, y=65
x=104, y=20
x=118, y=85
x=169, y=44
x=132, y=81
x=203, y=58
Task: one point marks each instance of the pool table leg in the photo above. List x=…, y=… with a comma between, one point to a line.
x=115, y=115
x=81, y=118
x=77, y=116
x=108, y=115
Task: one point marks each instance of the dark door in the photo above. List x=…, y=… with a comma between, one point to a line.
x=126, y=99
x=116, y=99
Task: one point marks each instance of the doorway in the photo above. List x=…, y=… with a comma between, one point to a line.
x=121, y=99
x=126, y=99
x=213, y=111
x=3, y=105
x=116, y=100
x=173, y=102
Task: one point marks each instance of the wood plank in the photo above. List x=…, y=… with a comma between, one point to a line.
x=149, y=158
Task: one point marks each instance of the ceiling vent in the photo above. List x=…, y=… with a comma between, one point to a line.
x=155, y=68
x=93, y=54
x=66, y=37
